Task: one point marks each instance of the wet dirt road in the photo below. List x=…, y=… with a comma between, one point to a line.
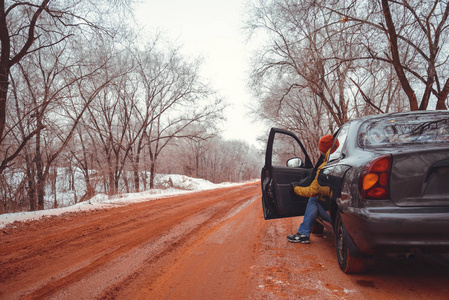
x=206, y=245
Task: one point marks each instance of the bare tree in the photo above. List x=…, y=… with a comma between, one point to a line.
x=109, y=120
x=347, y=58
x=83, y=152
x=27, y=27
x=301, y=55
x=230, y=161
x=56, y=106
x=431, y=20
x=411, y=36
x=175, y=99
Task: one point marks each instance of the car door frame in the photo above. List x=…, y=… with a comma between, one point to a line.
x=278, y=198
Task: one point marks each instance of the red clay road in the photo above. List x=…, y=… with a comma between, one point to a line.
x=205, y=245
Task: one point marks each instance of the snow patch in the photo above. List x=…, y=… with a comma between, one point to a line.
x=172, y=185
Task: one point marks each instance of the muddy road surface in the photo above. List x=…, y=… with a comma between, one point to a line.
x=205, y=245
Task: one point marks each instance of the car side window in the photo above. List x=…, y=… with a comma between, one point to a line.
x=337, y=147
x=285, y=147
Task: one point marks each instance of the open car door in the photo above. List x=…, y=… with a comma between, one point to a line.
x=286, y=161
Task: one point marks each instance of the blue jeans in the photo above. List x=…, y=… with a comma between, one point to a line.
x=313, y=209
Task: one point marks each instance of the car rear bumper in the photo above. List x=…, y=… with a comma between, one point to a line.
x=398, y=229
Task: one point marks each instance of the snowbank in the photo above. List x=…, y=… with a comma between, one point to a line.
x=173, y=185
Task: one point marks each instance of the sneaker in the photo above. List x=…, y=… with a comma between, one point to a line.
x=298, y=238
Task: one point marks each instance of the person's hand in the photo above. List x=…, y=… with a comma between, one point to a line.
x=294, y=184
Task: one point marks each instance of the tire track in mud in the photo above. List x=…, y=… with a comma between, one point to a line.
x=208, y=264
x=208, y=245
x=125, y=266
x=82, y=252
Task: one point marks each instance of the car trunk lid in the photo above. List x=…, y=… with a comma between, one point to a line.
x=420, y=178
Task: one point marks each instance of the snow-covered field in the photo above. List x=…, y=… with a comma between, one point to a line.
x=181, y=184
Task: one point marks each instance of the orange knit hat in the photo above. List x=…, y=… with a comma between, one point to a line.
x=325, y=143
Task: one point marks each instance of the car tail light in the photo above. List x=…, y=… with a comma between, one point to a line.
x=375, y=178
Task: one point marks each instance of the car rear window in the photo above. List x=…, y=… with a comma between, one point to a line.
x=405, y=129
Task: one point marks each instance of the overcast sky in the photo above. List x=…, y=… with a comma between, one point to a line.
x=213, y=30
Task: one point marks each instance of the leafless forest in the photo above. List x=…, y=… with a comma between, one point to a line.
x=322, y=63
x=83, y=91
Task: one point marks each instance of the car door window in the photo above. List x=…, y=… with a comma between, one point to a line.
x=285, y=147
x=337, y=148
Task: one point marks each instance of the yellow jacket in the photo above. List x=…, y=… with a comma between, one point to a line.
x=314, y=189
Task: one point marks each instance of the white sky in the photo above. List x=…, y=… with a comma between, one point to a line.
x=213, y=30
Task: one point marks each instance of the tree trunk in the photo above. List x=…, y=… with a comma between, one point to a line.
x=110, y=175
x=40, y=186
x=145, y=178
x=111, y=183
x=125, y=179
x=90, y=191
x=85, y=165
x=393, y=39
x=135, y=166
x=31, y=191
x=5, y=66
x=53, y=185
x=136, y=178
x=116, y=183
x=3, y=94
x=72, y=183
x=152, y=168
x=442, y=97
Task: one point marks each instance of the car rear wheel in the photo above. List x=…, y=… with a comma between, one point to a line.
x=348, y=264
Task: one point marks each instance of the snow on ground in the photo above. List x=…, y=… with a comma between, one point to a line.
x=175, y=185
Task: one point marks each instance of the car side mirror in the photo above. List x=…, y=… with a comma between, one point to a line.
x=295, y=162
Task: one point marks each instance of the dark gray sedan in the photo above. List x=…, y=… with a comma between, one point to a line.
x=389, y=179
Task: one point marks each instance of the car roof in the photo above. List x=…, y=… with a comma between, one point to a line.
x=403, y=114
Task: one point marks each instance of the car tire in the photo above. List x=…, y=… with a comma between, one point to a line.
x=348, y=263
